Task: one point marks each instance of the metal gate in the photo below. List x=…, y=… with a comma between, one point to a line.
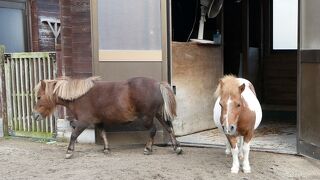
x=22, y=72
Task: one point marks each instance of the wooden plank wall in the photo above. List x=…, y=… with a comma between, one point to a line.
x=81, y=38
x=76, y=37
x=280, y=79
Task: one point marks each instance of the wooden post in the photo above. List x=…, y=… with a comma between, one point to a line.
x=3, y=92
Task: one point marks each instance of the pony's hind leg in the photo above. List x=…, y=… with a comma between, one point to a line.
x=241, y=147
x=148, y=147
x=103, y=135
x=169, y=128
x=74, y=135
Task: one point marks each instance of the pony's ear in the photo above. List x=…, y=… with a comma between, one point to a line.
x=221, y=83
x=242, y=87
x=43, y=84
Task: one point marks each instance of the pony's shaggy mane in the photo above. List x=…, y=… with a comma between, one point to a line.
x=227, y=84
x=67, y=88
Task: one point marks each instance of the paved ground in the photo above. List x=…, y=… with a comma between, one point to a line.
x=24, y=159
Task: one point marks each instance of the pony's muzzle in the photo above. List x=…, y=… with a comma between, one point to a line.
x=37, y=116
x=230, y=130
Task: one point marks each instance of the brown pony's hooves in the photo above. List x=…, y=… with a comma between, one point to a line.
x=68, y=155
x=106, y=151
x=178, y=150
x=147, y=151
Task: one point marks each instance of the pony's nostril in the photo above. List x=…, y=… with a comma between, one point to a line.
x=232, y=128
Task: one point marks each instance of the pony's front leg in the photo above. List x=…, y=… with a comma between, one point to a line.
x=235, y=153
x=246, y=165
x=246, y=149
x=228, y=147
x=74, y=135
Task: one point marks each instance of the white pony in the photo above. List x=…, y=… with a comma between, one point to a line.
x=237, y=113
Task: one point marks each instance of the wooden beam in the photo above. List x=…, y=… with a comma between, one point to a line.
x=245, y=37
x=3, y=92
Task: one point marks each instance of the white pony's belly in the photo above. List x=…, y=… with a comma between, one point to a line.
x=252, y=101
x=217, y=114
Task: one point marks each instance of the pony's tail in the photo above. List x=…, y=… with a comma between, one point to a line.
x=169, y=108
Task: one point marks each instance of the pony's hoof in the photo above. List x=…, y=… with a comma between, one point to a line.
x=178, y=150
x=234, y=170
x=69, y=155
x=106, y=151
x=147, y=151
x=246, y=169
x=227, y=152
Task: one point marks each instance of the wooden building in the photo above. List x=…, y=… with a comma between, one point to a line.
x=151, y=39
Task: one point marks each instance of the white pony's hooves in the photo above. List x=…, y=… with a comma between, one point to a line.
x=228, y=152
x=246, y=170
x=234, y=170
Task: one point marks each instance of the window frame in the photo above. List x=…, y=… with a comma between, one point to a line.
x=128, y=55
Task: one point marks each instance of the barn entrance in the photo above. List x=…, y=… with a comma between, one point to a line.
x=248, y=49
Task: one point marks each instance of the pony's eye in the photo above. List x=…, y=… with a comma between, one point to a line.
x=238, y=105
x=38, y=97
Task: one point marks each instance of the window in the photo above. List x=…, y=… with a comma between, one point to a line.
x=285, y=24
x=13, y=29
x=129, y=30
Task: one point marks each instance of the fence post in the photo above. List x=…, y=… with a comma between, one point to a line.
x=3, y=92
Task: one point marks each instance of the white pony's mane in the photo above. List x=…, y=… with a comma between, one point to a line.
x=227, y=83
x=67, y=88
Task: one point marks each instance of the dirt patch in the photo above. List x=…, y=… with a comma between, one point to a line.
x=24, y=159
x=275, y=128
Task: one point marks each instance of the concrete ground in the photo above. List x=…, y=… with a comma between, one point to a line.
x=26, y=159
x=270, y=137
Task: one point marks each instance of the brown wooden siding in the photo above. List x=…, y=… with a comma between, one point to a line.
x=81, y=38
x=66, y=37
x=76, y=37
x=280, y=79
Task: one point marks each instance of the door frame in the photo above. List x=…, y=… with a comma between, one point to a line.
x=304, y=56
x=137, y=137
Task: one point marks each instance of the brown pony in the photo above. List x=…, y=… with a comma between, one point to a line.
x=101, y=103
x=237, y=113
